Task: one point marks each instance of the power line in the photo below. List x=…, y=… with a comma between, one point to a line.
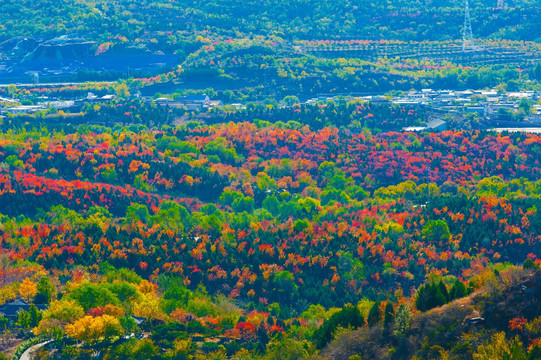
x=467, y=33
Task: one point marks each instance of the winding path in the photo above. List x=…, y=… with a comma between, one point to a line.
x=27, y=355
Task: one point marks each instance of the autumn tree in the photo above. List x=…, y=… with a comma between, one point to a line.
x=149, y=308
x=65, y=311
x=28, y=289
x=94, y=329
x=49, y=328
x=121, y=91
x=498, y=347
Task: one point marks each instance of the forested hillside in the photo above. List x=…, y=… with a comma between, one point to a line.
x=172, y=21
x=264, y=180
x=263, y=48
x=269, y=221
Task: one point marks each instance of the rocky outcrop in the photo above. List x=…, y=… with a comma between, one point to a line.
x=57, y=52
x=17, y=48
x=522, y=299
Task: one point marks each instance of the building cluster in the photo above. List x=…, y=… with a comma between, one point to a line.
x=486, y=103
x=190, y=103
x=14, y=106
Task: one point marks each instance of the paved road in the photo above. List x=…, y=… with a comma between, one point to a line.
x=27, y=355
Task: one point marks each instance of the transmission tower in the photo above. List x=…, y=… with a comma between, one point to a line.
x=500, y=4
x=467, y=34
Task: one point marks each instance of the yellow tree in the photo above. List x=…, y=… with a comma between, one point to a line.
x=93, y=329
x=113, y=310
x=28, y=289
x=50, y=328
x=65, y=310
x=8, y=292
x=146, y=287
x=81, y=329
x=121, y=91
x=111, y=326
x=149, y=308
x=499, y=347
